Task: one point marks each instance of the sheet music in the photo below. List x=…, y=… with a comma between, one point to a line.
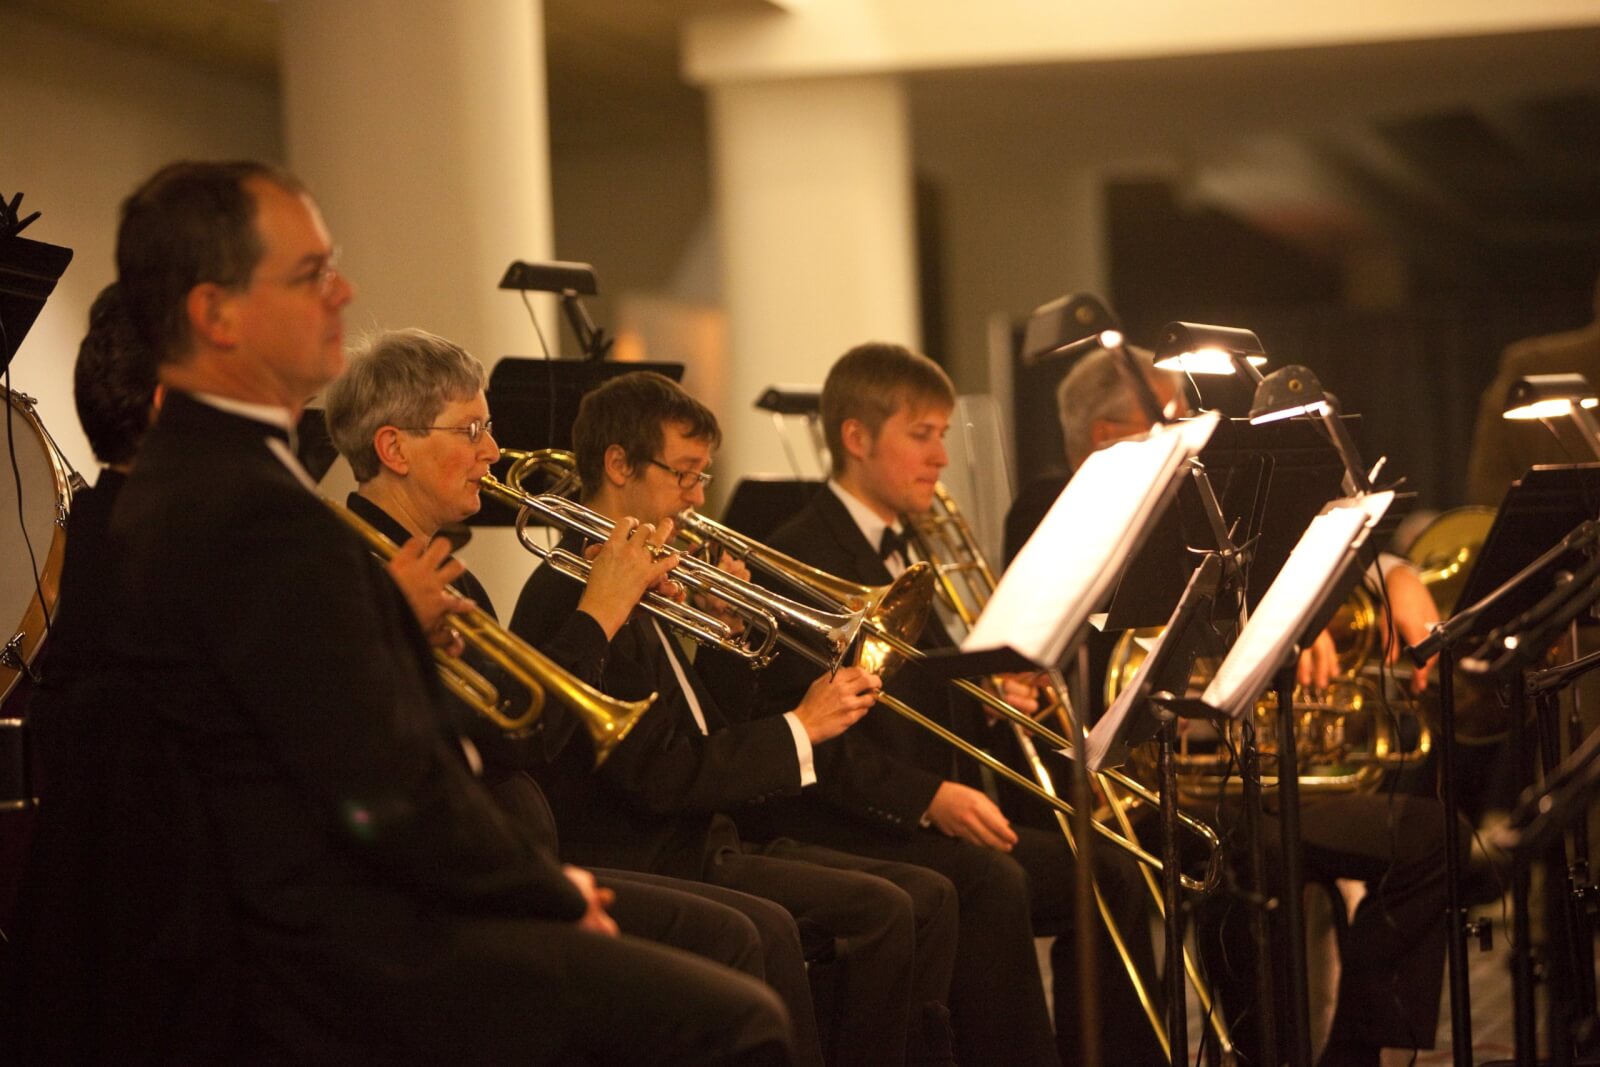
x=1101, y=742
x=1286, y=609
x=1069, y=565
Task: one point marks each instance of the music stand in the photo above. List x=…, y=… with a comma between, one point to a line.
x=1545, y=523
x=1036, y=616
x=29, y=271
x=534, y=403
x=1312, y=582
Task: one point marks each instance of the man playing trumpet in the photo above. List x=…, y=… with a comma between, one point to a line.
x=664, y=798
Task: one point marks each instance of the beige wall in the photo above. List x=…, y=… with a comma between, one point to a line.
x=86, y=119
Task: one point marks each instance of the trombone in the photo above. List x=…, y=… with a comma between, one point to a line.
x=607, y=719
x=946, y=526
x=888, y=618
x=885, y=648
x=767, y=616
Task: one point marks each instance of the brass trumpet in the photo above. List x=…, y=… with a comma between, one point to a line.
x=607, y=719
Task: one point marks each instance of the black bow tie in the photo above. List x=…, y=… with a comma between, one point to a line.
x=892, y=543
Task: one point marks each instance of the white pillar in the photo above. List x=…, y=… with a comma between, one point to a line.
x=814, y=202
x=421, y=126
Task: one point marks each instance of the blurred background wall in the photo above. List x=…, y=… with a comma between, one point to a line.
x=1389, y=196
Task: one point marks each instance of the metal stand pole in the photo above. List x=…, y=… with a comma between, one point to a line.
x=1177, y=1013
x=1456, y=925
x=1260, y=923
x=1294, y=927
x=1523, y=1018
x=1084, y=916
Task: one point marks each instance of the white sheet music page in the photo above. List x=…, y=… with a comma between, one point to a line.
x=1069, y=565
x=1100, y=742
x=1286, y=609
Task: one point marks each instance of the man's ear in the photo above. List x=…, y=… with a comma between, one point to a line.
x=210, y=315
x=617, y=468
x=390, y=445
x=856, y=438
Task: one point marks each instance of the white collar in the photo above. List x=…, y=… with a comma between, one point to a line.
x=866, y=519
x=271, y=414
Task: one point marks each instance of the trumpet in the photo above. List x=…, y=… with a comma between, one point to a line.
x=765, y=615
x=606, y=719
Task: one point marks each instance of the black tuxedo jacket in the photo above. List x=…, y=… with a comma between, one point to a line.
x=659, y=802
x=883, y=772
x=284, y=671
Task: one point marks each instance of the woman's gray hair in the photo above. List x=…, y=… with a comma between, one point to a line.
x=1094, y=389
x=401, y=378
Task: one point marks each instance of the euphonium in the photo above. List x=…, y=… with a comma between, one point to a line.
x=1346, y=737
x=607, y=719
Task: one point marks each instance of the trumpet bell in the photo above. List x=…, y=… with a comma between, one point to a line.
x=538, y=677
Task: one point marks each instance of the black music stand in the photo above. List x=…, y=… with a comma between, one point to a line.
x=1313, y=581
x=1545, y=525
x=1037, y=616
x=534, y=403
x=29, y=271
x=1274, y=478
x=1285, y=470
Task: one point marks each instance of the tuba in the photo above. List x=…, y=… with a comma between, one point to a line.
x=607, y=719
x=1346, y=738
x=1444, y=553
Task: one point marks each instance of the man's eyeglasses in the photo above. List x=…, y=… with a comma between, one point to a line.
x=321, y=277
x=686, y=479
x=475, y=430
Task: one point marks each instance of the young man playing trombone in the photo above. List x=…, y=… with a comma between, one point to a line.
x=663, y=800
x=902, y=793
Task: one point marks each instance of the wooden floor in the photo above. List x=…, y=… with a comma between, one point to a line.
x=1490, y=980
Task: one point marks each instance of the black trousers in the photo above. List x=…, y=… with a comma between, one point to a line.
x=479, y=990
x=1392, y=954
x=738, y=930
x=997, y=999
x=894, y=931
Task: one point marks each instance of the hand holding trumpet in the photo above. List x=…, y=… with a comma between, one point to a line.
x=423, y=570
x=625, y=568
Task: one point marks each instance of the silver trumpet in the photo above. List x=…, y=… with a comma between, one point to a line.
x=765, y=615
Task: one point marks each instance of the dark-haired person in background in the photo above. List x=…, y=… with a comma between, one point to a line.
x=70, y=915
